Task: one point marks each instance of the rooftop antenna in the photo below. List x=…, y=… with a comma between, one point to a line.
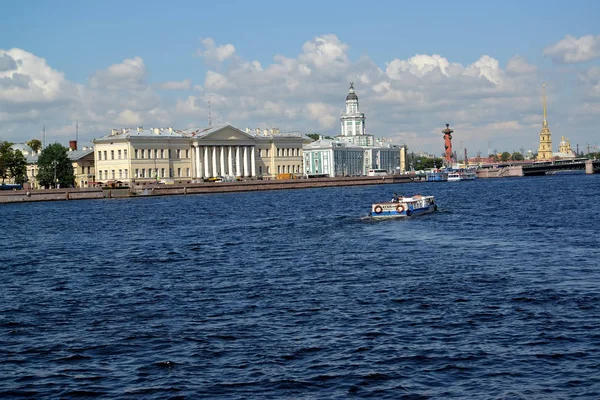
x=209, y=118
x=77, y=131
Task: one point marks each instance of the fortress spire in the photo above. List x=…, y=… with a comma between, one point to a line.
x=545, y=149
x=545, y=122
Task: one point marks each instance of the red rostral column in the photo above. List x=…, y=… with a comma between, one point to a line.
x=448, y=143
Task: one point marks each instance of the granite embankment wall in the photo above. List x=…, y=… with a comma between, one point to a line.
x=500, y=172
x=18, y=196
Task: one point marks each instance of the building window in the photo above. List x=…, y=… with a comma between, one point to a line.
x=260, y=170
x=119, y=154
x=89, y=170
x=266, y=152
x=179, y=172
x=125, y=174
x=105, y=155
x=259, y=151
x=187, y=153
x=187, y=172
x=178, y=153
x=112, y=172
x=100, y=173
x=279, y=169
x=99, y=155
x=135, y=154
x=170, y=170
x=112, y=154
x=82, y=170
x=169, y=153
x=120, y=174
x=105, y=174
x=162, y=172
x=137, y=173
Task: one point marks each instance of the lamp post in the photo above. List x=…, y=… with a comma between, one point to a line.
x=55, y=163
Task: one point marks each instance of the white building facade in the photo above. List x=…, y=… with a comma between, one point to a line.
x=353, y=152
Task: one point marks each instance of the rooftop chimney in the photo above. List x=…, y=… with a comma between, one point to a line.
x=73, y=145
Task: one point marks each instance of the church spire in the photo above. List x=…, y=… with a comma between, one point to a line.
x=545, y=121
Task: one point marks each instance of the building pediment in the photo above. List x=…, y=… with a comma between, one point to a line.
x=225, y=134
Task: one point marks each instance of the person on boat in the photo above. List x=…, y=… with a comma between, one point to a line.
x=395, y=198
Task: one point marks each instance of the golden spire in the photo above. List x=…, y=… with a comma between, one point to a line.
x=545, y=123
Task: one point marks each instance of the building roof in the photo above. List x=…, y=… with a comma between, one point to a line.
x=73, y=155
x=126, y=133
x=351, y=93
x=23, y=148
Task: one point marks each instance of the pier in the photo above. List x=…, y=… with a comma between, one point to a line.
x=154, y=189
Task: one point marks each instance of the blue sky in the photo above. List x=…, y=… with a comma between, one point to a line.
x=476, y=65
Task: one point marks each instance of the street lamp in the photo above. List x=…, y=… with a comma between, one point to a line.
x=55, y=163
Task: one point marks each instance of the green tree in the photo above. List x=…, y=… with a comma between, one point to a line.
x=18, y=167
x=54, y=167
x=5, y=159
x=422, y=163
x=505, y=156
x=516, y=156
x=12, y=164
x=314, y=136
x=35, y=144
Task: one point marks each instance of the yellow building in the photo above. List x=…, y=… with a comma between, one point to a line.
x=81, y=160
x=169, y=155
x=545, y=149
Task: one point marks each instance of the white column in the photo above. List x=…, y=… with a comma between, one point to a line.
x=214, y=160
x=206, y=171
x=253, y=160
x=230, y=161
x=222, y=172
x=245, y=160
x=238, y=169
x=198, y=165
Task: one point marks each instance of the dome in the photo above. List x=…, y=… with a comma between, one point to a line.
x=23, y=148
x=351, y=94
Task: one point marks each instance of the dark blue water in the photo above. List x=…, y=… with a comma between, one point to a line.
x=290, y=294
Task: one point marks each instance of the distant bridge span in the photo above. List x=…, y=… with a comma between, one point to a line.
x=560, y=165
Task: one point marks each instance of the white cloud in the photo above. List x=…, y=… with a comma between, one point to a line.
x=419, y=65
x=216, y=81
x=325, y=51
x=128, y=118
x=26, y=80
x=185, y=84
x=325, y=114
x=518, y=65
x=213, y=53
x=574, y=50
x=130, y=74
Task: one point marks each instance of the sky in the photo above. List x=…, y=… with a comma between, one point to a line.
x=82, y=68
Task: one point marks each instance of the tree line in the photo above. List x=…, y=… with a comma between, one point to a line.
x=54, y=169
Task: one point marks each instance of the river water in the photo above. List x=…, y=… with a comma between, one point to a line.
x=292, y=294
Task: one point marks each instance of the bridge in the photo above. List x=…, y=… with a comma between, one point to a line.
x=543, y=168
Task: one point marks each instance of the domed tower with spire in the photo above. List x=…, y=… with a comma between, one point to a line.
x=353, y=121
x=545, y=149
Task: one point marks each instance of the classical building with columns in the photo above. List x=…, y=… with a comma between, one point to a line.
x=166, y=154
x=353, y=152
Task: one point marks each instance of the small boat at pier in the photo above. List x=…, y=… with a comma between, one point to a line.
x=461, y=175
x=404, y=207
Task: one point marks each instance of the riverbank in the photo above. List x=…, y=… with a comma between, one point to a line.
x=19, y=196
